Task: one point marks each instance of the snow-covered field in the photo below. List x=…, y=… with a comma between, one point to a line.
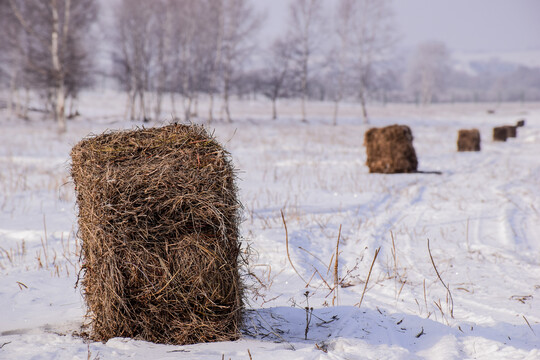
x=481, y=217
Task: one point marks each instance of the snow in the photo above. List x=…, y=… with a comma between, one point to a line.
x=481, y=216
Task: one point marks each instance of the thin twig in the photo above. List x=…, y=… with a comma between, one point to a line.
x=309, y=314
x=324, y=281
x=311, y=278
x=313, y=255
x=442, y=282
x=467, y=237
x=287, y=247
x=527, y=321
x=45, y=244
x=369, y=275
x=425, y=297
x=330, y=264
x=336, y=270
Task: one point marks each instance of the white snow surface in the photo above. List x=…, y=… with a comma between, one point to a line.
x=481, y=216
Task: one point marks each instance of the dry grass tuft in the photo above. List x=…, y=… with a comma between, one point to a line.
x=158, y=219
x=390, y=150
x=468, y=140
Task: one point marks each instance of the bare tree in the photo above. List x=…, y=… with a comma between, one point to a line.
x=233, y=22
x=218, y=27
x=194, y=52
x=53, y=50
x=276, y=74
x=134, y=51
x=427, y=72
x=12, y=60
x=240, y=23
x=305, y=20
x=188, y=27
x=181, y=46
x=343, y=26
x=163, y=37
x=366, y=37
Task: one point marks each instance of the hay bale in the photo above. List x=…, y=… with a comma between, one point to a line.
x=468, y=140
x=520, y=123
x=158, y=219
x=511, y=130
x=500, y=133
x=390, y=150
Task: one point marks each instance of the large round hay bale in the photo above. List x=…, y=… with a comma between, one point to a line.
x=390, y=150
x=468, y=140
x=158, y=219
x=500, y=133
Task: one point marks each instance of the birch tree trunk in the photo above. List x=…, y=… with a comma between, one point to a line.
x=142, y=107
x=304, y=90
x=217, y=59
x=364, y=108
x=173, y=106
x=305, y=18
x=186, y=60
x=343, y=27
x=12, y=88
x=305, y=68
x=196, y=106
x=164, y=46
x=226, y=89
x=24, y=109
x=161, y=79
x=133, y=96
x=59, y=72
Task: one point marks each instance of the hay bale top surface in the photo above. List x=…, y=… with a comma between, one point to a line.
x=158, y=219
x=389, y=133
x=166, y=141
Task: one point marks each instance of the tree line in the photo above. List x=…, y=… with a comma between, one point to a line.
x=179, y=51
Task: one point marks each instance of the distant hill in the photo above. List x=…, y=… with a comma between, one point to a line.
x=495, y=63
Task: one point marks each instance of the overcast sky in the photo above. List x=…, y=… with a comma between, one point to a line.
x=464, y=25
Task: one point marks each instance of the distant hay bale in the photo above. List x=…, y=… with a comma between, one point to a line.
x=511, y=130
x=500, y=133
x=520, y=123
x=390, y=150
x=158, y=219
x=468, y=140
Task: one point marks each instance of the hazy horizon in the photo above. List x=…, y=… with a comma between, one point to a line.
x=464, y=25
